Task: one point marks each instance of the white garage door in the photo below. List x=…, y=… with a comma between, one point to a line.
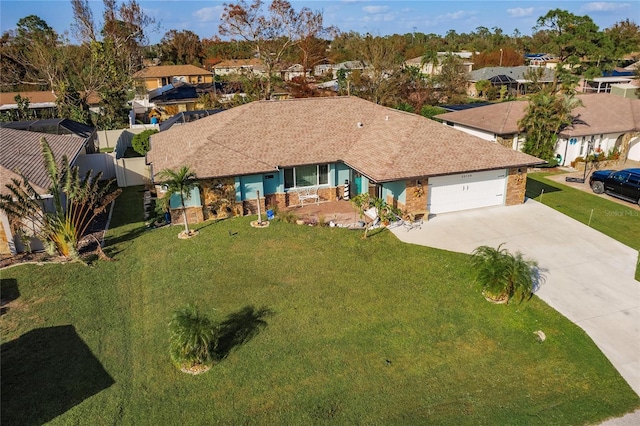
x=466, y=191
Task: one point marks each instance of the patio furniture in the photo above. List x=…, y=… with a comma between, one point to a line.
x=307, y=193
x=372, y=213
x=415, y=220
x=412, y=221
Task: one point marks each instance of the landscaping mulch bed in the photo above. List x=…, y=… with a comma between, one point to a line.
x=87, y=246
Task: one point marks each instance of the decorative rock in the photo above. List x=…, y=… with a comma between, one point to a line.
x=185, y=236
x=541, y=336
x=258, y=224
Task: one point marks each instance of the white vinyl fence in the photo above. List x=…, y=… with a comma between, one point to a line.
x=99, y=162
x=127, y=171
x=132, y=171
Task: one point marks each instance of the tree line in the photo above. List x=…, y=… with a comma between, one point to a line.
x=36, y=57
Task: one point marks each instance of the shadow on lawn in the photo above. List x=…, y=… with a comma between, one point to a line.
x=46, y=372
x=111, y=243
x=535, y=188
x=8, y=293
x=238, y=328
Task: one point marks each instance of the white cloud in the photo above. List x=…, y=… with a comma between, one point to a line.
x=375, y=9
x=208, y=14
x=520, y=12
x=460, y=14
x=601, y=6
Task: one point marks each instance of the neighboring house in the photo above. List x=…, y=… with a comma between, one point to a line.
x=605, y=121
x=322, y=69
x=59, y=126
x=435, y=68
x=21, y=152
x=277, y=148
x=181, y=97
x=158, y=76
x=541, y=60
x=604, y=84
x=42, y=104
x=516, y=79
x=239, y=67
x=348, y=67
x=626, y=90
x=294, y=71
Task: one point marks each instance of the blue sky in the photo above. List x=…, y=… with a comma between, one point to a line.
x=378, y=17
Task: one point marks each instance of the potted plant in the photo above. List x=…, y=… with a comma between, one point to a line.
x=503, y=275
x=192, y=337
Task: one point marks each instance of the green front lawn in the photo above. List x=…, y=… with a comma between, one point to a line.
x=357, y=332
x=616, y=220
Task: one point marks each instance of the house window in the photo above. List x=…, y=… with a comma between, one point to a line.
x=296, y=177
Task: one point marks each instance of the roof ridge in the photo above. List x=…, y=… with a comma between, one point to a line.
x=506, y=115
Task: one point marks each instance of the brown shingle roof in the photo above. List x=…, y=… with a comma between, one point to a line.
x=170, y=71
x=600, y=114
x=21, y=151
x=501, y=118
x=390, y=144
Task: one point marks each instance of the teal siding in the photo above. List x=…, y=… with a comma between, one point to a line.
x=362, y=184
x=395, y=190
x=342, y=173
x=250, y=185
x=272, y=182
x=193, y=201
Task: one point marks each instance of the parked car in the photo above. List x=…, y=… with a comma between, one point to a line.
x=623, y=184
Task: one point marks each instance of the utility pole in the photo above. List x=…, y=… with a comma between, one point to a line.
x=500, y=57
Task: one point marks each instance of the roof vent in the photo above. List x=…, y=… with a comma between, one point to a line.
x=386, y=118
x=360, y=125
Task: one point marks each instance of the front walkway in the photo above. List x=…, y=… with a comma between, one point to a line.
x=589, y=276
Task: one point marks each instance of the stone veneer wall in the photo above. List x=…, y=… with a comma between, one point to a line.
x=505, y=142
x=416, y=195
x=516, y=186
x=194, y=215
x=219, y=198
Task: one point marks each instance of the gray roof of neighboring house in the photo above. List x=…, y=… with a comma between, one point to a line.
x=516, y=73
x=462, y=55
x=600, y=113
x=351, y=65
x=21, y=152
x=387, y=145
x=54, y=126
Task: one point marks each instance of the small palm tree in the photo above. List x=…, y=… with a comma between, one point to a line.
x=503, y=275
x=182, y=181
x=192, y=335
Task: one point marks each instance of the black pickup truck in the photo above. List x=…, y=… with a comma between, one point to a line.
x=623, y=184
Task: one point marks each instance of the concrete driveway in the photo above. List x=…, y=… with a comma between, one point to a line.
x=589, y=276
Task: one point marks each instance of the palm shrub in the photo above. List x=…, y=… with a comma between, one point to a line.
x=503, y=275
x=192, y=337
x=76, y=202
